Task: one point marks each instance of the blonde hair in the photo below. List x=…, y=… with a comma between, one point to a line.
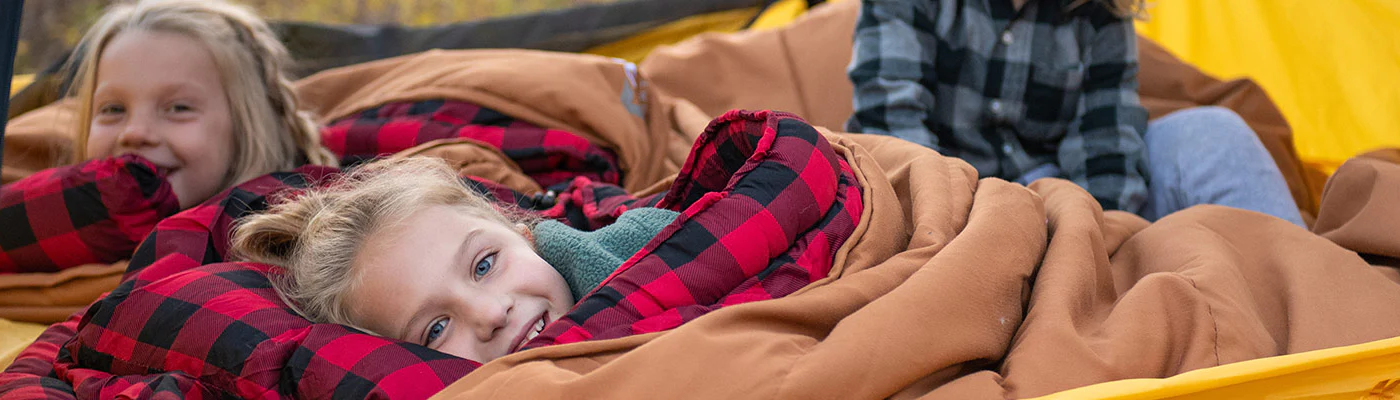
x=316, y=235
x=270, y=133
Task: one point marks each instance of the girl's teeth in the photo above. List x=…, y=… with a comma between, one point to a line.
x=539, y=327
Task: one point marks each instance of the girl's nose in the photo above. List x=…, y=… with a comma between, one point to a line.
x=489, y=316
x=137, y=133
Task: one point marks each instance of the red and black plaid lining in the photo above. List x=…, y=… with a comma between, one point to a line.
x=550, y=157
x=765, y=203
x=92, y=212
x=177, y=328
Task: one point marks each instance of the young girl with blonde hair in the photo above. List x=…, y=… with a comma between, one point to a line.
x=178, y=100
x=208, y=69
x=402, y=249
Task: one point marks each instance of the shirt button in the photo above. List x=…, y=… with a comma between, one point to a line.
x=1006, y=148
x=1006, y=38
x=995, y=106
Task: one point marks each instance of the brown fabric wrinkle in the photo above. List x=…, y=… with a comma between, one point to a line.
x=908, y=254
x=709, y=62
x=790, y=61
x=1273, y=249
x=475, y=158
x=1361, y=207
x=50, y=279
x=38, y=140
x=577, y=93
x=53, y=297
x=819, y=45
x=987, y=286
x=41, y=314
x=1391, y=155
x=1071, y=287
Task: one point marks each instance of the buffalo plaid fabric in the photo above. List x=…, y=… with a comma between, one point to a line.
x=549, y=156
x=92, y=212
x=764, y=201
x=186, y=324
x=1007, y=90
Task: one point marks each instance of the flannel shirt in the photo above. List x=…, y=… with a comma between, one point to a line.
x=1007, y=90
x=91, y=212
x=185, y=324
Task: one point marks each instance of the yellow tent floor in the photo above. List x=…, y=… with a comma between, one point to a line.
x=1363, y=371
x=14, y=337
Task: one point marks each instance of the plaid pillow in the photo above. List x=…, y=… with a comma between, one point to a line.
x=549, y=156
x=91, y=212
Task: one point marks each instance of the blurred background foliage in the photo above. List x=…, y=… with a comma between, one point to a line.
x=50, y=27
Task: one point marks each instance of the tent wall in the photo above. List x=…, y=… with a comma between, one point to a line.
x=10, y=12
x=1329, y=67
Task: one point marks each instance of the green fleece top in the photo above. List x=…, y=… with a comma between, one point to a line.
x=586, y=258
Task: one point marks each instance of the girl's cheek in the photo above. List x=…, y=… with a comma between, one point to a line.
x=99, y=143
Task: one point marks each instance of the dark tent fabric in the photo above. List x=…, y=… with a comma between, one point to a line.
x=9, y=43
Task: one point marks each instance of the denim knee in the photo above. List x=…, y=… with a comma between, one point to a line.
x=1199, y=131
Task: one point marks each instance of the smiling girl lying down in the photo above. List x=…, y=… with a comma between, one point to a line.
x=402, y=249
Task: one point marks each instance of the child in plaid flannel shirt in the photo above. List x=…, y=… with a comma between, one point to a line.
x=1028, y=89
x=402, y=249
x=178, y=100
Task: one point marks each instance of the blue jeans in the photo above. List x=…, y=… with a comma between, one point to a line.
x=1206, y=155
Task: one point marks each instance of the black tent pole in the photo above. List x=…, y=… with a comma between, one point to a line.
x=10, y=12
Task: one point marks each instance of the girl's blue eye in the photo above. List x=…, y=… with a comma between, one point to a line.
x=484, y=266
x=435, y=331
x=111, y=109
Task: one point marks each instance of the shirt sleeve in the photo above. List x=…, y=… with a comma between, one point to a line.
x=894, y=46
x=1103, y=149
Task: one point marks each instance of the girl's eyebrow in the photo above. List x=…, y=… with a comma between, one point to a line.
x=173, y=88
x=101, y=90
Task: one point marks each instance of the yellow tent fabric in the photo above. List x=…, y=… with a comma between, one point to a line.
x=14, y=337
x=779, y=13
x=1330, y=66
x=1363, y=371
x=636, y=47
x=19, y=82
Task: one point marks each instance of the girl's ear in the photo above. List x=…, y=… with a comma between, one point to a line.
x=266, y=238
x=525, y=231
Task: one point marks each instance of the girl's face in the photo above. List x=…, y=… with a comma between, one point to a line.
x=158, y=95
x=463, y=285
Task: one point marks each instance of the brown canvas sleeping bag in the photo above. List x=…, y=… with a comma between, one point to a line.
x=958, y=288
